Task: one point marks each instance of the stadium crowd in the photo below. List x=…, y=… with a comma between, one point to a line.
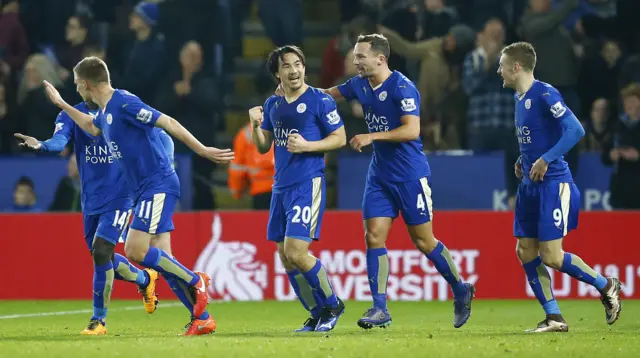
x=178, y=55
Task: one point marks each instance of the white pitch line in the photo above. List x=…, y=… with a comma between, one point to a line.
x=64, y=313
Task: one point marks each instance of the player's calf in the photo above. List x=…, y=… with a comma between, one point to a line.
x=103, y=276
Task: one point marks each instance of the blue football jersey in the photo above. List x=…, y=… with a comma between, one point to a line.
x=103, y=188
x=538, y=128
x=314, y=116
x=127, y=125
x=383, y=107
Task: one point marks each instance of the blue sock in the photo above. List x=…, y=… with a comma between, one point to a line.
x=309, y=299
x=540, y=283
x=573, y=266
x=162, y=262
x=378, y=273
x=125, y=271
x=443, y=262
x=102, y=286
x=319, y=282
x=183, y=292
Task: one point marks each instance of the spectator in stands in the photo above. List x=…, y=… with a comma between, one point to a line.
x=8, y=121
x=67, y=196
x=146, y=58
x=436, y=19
x=77, y=35
x=598, y=125
x=623, y=152
x=333, y=63
x=599, y=74
x=251, y=171
x=24, y=197
x=558, y=63
x=190, y=95
x=37, y=113
x=490, y=125
x=437, y=58
x=14, y=46
x=282, y=21
x=630, y=72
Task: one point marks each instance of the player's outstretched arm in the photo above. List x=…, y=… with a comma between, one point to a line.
x=83, y=120
x=176, y=129
x=262, y=138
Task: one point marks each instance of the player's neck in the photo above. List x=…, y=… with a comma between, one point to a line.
x=525, y=83
x=379, y=78
x=292, y=96
x=103, y=96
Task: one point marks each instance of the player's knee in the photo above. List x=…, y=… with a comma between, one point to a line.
x=288, y=266
x=295, y=256
x=552, y=258
x=375, y=239
x=526, y=253
x=135, y=253
x=102, y=251
x=425, y=243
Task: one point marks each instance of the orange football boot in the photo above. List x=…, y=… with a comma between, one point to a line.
x=199, y=327
x=96, y=328
x=201, y=292
x=149, y=296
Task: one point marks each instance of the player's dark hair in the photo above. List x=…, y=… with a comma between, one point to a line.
x=632, y=90
x=92, y=69
x=24, y=180
x=379, y=44
x=523, y=53
x=277, y=55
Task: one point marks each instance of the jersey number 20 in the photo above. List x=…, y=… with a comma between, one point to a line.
x=305, y=213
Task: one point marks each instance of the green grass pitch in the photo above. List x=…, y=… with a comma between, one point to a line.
x=264, y=329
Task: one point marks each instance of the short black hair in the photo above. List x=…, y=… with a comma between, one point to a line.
x=273, y=60
x=379, y=44
x=25, y=180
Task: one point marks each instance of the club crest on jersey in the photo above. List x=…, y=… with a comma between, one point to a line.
x=408, y=104
x=301, y=108
x=382, y=96
x=109, y=118
x=527, y=103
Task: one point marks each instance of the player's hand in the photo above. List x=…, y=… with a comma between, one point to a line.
x=28, y=142
x=518, y=169
x=279, y=91
x=53, y=94
x=538, y=170
x=218, y=155
x=297, y=144
x=255, y=116
x=359, y=141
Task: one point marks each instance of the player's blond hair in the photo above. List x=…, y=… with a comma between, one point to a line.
x=522, y=53
x=92, y=69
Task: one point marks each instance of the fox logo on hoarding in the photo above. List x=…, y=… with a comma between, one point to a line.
x=235, y=273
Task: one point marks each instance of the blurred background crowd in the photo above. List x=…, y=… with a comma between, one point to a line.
x=201, y=61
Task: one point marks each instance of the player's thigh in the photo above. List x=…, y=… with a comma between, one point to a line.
x=304, y=208
x=153, y=213
x=112, y=223
x=296, y=250
x=377, y=201
x=277, y=224
x=552, y=253
x=288, y=266
x=527, y=212
x=559, y=209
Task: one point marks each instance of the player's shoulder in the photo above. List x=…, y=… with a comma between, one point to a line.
x=270, y=102
x=320, y=96
x=402, y=83
x=543, y=89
